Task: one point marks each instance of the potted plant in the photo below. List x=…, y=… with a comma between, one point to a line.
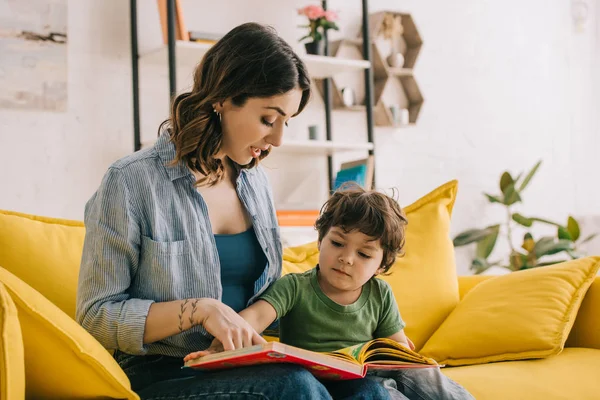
x=319, y=21
x=532, y=252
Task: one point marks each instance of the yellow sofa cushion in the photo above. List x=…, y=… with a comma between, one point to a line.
x=573, y=374
x=586, y=330
x=424, y=281
x=12, y=368
x=522, y=315
x=62, y=360
x=45, y=253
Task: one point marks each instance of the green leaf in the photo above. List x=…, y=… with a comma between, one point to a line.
x=587, y=239
x=573, y=228
x=546, y=263
x=479, y=265
x=505, y=181
x=530, y=175
x=511, y=195
x=493, y=199
x=545, y=221
x=470, y=236
x=486, y=245
x=517, y=261
x=521, y=220
x=547, y=246
x=564, y=233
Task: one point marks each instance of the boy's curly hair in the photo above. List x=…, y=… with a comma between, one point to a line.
x=373, y=213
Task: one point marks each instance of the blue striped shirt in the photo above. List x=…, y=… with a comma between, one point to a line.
x=148, y=238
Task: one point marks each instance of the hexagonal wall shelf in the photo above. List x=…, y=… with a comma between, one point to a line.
x=392, y=33
x=346, y=48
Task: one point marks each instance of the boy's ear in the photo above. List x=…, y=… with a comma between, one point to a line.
x=380, y=271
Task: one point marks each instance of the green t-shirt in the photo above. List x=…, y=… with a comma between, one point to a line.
x=311, y=320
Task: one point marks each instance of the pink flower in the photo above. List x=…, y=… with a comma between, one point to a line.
x=312, y=11
x=330, y=15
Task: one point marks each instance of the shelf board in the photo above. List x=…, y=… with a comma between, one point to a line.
x=323, y=147
x=191, y=53
x=313, y=147
x=401, y=71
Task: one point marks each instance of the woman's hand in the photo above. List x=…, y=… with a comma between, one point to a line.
x=215, y=347
x=231, y=330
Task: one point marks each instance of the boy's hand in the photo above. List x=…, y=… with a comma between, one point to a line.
x=410, y=343
x=215, y=347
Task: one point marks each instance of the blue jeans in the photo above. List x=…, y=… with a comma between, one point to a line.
x=161, y=377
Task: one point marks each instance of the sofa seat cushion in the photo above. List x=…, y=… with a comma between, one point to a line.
x=573, y=374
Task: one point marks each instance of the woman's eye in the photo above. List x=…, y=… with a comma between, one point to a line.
x=336, y=244
x=267, y=123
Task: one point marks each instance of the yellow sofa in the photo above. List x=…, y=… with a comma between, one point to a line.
x=55, y=358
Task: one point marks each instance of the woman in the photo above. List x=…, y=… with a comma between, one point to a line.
x=182, y=236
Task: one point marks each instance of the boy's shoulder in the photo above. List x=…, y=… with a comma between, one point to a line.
x=299, y=277
x=381, y=286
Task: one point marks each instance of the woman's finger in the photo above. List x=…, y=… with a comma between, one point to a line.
x=248, y=338
x=227, y=343
x=238, y=341
x=257, y=339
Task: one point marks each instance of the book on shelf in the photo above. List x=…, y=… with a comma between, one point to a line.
x=204, y=37
x=359, y=171
x=181, y=32
x=348, y=363
x=292, y=217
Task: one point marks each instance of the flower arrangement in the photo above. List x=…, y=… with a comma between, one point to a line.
x=319, y=21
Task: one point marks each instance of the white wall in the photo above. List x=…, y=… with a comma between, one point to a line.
x=505, y=84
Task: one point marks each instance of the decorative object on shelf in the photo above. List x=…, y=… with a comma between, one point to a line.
x=579, y=13
x=313, y=132
x=532, y=253
x=204, y=37
x=348, y=96
x=319, y=21
x=400, y=30
x=392, y=29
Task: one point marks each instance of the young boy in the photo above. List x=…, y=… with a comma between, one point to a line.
x=340, y=303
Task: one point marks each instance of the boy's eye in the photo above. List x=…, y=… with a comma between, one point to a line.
x=363, y=255
x=336, y=244
x=267, y=123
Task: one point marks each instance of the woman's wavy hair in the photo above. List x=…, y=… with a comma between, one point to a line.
x=250, y=61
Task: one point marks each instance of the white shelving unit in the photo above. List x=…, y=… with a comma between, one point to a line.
x=190, y=54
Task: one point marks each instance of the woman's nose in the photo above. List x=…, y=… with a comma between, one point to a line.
x=275, y=138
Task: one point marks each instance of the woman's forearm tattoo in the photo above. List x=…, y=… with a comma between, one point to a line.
x=194, y=304
x=181, y=311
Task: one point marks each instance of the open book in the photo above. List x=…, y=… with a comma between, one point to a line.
x=349, y=363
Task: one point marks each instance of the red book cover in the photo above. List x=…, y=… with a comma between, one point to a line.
x=335, y=365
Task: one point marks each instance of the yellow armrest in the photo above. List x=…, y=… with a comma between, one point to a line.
x=586, y=330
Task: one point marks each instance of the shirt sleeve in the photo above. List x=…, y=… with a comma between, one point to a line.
x=390, y=321
x=109, y=260
x=282, y=294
